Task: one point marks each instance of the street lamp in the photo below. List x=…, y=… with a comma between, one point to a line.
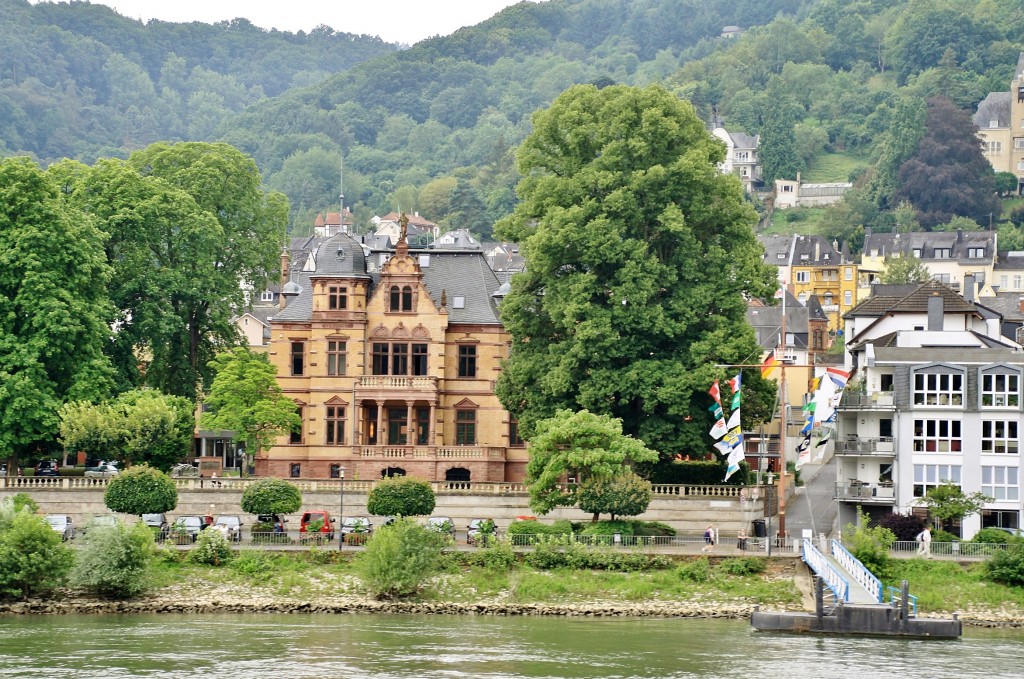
x=341, y=508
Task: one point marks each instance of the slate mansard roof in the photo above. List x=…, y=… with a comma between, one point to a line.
x=465, y=278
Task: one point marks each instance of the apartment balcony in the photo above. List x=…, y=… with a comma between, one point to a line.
x=398, y=387
x=429, y=453
x=879, y=400
x=865, y=493
x=883, y=446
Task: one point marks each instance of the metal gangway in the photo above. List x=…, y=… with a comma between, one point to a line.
x=848, y=579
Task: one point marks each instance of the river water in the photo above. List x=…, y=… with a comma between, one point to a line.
x=388, y=646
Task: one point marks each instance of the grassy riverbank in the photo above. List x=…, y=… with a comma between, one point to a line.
x=949, y=586
x=463, y=578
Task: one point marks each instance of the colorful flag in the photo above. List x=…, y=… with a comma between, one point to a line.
x=803, y=451
x=735, y=436
x=819, y=447
x=734, y=385
x=715, y=392
x=769, y=366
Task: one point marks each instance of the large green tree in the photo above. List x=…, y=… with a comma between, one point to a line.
x=582, y=446
x=948, y=175
x=189, y=224
x=777, y=151
x=246, y=399
x=54, y=311
x=641, y=254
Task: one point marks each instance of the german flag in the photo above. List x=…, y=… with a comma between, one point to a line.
x=770, y=365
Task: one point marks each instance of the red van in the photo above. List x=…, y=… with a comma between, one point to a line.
x=316, y=524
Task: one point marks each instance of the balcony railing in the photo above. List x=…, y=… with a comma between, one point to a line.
x=883, y=445
x=430, y=452
x=879, y=400
x=881, y=493
x=397, y=382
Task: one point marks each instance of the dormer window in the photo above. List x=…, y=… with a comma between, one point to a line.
x=943, y=253
x=917, y=252
x=976, y=253
x=266, y=296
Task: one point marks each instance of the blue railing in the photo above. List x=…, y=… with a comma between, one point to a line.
x=826, y=571
x=896, y=598
x=857, y=570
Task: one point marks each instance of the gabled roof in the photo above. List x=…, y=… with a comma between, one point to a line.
x=994, y=107
x=910, y=298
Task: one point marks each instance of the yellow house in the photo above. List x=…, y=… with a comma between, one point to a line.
x=819, y=269
x=1000, y=121
x=392, y=358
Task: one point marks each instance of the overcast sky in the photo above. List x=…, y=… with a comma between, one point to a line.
x=404, y=21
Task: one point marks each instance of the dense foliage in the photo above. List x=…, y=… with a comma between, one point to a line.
x=399, y=558
x=116, y=561
x=400, y=496
x=625, y=494
x=33, y=560
x=1007, y=566
x=141, y=490
x=585, y=447
x=271, y=496
x=245, y=398
x=642, y=256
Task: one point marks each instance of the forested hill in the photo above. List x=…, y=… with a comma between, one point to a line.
x=79, y=80
x=445, y=113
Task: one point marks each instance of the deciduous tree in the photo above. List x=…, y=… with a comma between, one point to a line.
x=271, y=496
x=641, y=254
x=948, y=175
x=141, y=490
x=245, y=398
x=583, y=446
x=907, y=269
x=625, y=494
x=401, y=496
x=54, y=310
x=948, y=502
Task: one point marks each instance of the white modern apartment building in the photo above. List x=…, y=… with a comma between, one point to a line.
x=935, y=397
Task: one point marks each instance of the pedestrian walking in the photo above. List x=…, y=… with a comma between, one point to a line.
x=924, y=542
x=741, y=541
x=710, y=536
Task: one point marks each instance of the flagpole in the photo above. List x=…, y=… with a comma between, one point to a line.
x=782, y=421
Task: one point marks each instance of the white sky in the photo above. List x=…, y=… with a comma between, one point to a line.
x=404, y=21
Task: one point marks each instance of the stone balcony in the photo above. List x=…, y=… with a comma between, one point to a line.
x=383, y=387
x=429, y=452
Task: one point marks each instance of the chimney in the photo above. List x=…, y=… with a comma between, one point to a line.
x=817, y=250
x=959, y=235
x=969, y=287
x=936, y=314
x=798, y=178
x=285, y=265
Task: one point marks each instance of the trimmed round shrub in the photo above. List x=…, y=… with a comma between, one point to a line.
x=141, y=490
x=992, y=535
x=271, y=496
x=115, y=561
x=401, y=496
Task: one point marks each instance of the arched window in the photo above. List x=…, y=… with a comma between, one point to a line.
x=395, y=298
x=407, y=298
x=391, y=471
x=457, y=474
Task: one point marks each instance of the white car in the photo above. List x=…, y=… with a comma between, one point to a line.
x=105, y=470
x=63, y=525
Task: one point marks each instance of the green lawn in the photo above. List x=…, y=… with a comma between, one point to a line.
x=833, y=167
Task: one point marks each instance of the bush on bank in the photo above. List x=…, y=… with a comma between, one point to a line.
x=398, y=559
x=33, y=561
x=116, y=561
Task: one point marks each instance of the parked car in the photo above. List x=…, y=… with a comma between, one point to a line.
x=231, y=525
x=3, y=470
x=104, y=470
x=187, y=528
x=158, y=522
x=63, y=525
x=441, y=524
x=317, y=524
x=275, y=520
x=478, y=527
x=1015, y=532
x=356, y=524
x=47, y=468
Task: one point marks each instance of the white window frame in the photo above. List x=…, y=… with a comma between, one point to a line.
x=941, y=435
x=803, y=276
x=928, y=476
x=1000, y=437
x=1000, y=390
x=1001, y=483
x=939, y=389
